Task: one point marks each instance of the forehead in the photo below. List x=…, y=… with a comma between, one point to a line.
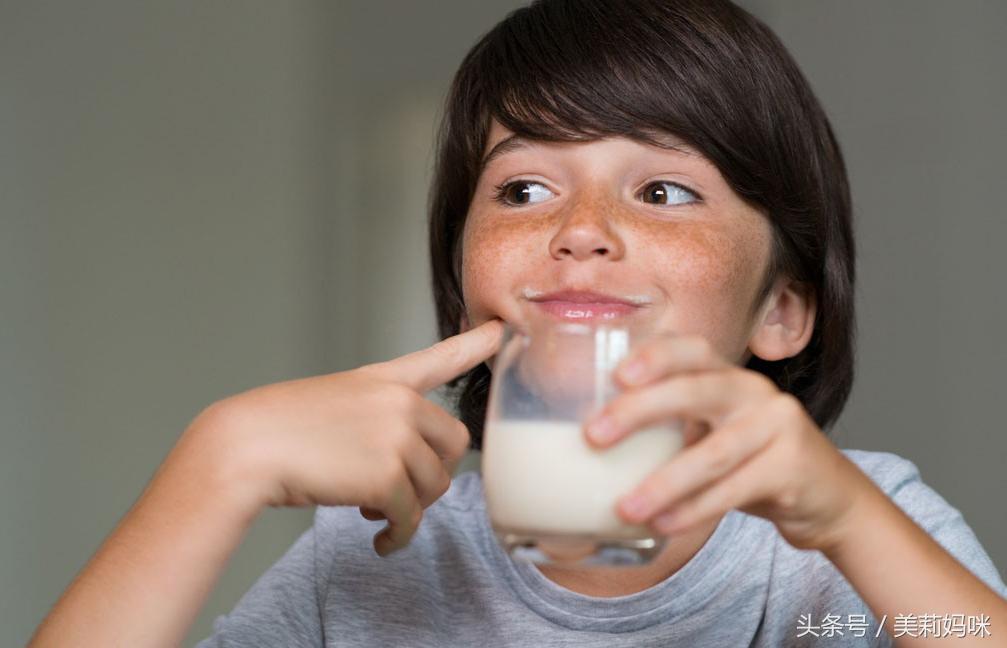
x=501, y=140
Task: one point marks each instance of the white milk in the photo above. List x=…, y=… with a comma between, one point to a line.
x=542, y=476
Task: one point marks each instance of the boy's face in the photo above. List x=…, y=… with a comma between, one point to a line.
x=607, y=216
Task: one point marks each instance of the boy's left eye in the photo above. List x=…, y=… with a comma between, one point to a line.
x=667, y=193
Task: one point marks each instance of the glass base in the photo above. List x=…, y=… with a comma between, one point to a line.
x=580, y=549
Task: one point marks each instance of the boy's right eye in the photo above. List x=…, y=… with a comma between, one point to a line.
x=521, y=192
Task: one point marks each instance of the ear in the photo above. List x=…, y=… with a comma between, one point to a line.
x=786, y=322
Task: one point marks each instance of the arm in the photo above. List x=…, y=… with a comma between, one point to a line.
x=898, y=568
x=364, y=437
x=133, y=591
x=763, y=454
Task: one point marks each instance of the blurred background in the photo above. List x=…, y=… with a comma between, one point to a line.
x=200, y=197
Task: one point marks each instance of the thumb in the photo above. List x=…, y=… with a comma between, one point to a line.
x=428, y=368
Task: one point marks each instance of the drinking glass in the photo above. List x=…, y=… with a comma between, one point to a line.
x=551, y=497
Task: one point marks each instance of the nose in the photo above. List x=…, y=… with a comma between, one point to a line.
x=586, y=232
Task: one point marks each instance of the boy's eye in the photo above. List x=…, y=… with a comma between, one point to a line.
x=667, y=193
x=521, y=192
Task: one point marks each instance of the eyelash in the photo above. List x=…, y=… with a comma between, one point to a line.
x=500, y=190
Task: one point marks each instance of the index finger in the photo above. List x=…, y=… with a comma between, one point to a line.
x=428, y=368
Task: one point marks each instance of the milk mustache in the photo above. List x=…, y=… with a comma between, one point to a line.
x=543, y=476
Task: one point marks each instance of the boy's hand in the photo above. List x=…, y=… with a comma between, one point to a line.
x=761, y=452
x=364, y=437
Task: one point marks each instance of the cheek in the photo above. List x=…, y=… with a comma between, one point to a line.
x=713, y=264
x=711, y=278
x=491, y=255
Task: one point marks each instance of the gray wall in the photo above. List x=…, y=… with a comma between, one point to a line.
x=196, y=198
x=164, y=243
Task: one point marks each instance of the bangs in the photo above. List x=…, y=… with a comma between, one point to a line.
x=570, y=73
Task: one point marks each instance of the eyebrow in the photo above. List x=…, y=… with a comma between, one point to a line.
x=515, y=142
x=506, y=145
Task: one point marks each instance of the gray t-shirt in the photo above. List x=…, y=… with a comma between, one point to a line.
x=454, y=586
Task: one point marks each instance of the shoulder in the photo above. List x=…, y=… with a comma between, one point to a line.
x=804, y=581
x=888, y=470
x=902, y=482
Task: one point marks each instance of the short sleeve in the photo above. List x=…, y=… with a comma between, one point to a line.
x=810, y=585
x=943, y=522
x=281, y=608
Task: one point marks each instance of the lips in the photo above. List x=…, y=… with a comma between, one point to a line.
x=587, y=305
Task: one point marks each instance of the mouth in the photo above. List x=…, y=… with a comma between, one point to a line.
x=581, y=305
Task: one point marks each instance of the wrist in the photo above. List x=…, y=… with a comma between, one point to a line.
x=217, y=450
x=846, y=531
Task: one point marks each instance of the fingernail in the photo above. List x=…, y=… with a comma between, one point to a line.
x=602, y=430
x=633, y=372
x=635, y=506
x=666, y=521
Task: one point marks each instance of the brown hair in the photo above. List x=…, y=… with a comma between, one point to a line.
x=704, y=70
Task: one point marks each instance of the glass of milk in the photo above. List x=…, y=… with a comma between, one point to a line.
x=551, y=497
